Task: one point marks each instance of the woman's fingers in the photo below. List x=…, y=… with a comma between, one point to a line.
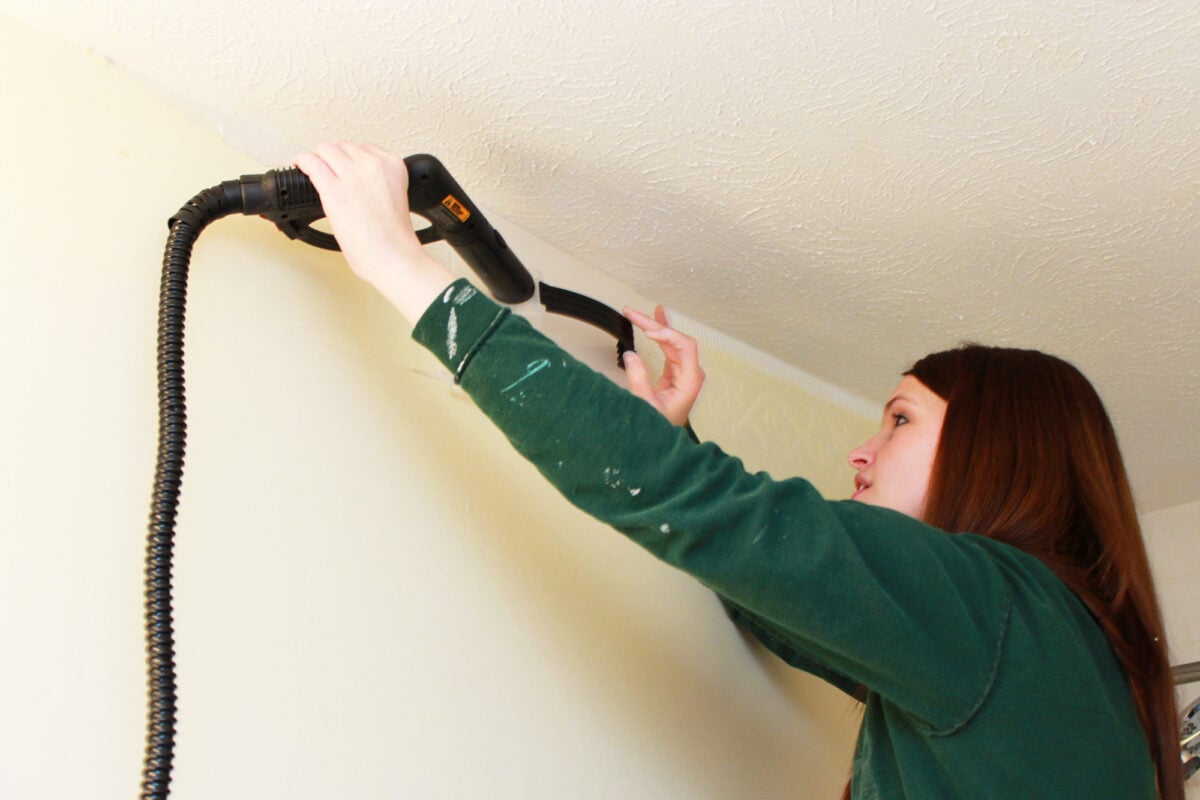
x=638, y=378
x=683, y=357
x=363, y=192
x=314, y=167
x=641, y=320
x=335, y=156
x=677, y=388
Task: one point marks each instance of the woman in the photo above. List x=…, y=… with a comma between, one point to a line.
x=986, y=590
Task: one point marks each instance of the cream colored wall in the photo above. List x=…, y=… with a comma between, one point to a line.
x=374, y=596
x=1173, y=541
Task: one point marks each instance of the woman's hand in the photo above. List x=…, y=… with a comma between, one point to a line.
x=679, y=385
x=364, y=192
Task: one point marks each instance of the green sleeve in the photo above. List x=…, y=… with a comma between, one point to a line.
x=877, y=597
x=780, y=642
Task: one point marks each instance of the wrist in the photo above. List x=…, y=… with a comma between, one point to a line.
x=411, y=282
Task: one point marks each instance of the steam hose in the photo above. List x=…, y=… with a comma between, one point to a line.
x=186, y=226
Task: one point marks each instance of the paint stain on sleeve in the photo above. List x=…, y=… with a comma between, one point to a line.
x=452, y=335
x=531, y=369
x=612, y=477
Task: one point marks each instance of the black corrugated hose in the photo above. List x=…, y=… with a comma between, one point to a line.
x=287, y=198
x=186, y=225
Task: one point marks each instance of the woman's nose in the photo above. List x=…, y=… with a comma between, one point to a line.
x=863, y=455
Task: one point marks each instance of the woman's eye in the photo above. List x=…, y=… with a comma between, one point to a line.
x=899, y=419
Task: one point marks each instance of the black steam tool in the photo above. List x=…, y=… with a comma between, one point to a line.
x=287, y=198
x=436, y=196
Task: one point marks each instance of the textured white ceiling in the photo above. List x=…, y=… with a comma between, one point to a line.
x=845, y=185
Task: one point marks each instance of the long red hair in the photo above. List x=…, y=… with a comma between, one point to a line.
x=1028, y=456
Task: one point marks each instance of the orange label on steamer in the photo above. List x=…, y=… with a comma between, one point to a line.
x=456, y=208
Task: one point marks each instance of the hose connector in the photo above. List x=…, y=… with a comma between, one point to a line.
x=287, y=198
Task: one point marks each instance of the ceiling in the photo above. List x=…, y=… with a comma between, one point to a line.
x=844, y=185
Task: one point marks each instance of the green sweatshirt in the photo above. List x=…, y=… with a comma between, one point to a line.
x=986, y=677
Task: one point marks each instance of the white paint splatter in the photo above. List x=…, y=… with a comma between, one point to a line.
x=635, y=492
x=452, y=335
x=531, y=369
x=612, y=477
x=464, y=294
x=446, y=296
x=665, y=528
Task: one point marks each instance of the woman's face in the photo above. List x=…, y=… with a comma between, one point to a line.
x=894, y=465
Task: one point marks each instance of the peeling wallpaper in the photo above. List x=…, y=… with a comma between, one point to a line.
x=844, y=186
